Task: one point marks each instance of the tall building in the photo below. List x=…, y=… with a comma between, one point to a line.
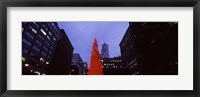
x=151, y=48
x=61, y=62
x=113, y=66
x=39, y=43
x=105, y=51
x=77, y=62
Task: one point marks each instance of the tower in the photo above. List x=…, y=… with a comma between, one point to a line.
x=104, y=51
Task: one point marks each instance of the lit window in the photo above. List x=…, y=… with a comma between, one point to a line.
x=50, y=33
x=48, y=37
x=37, y=72
x=26, y=65
x=41, y=59
x=23, y=59
x=43, y=32
x=47, y=62
x=54, y=39
x=34, y=30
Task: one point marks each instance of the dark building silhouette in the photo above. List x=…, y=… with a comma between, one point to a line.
x=113, y=66
x=62, y=59
x=39, y=43
x=151, y=48
x=74, y=70
x=105, y=51
x=78, y=62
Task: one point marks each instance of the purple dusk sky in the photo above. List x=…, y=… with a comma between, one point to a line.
x=82, y=34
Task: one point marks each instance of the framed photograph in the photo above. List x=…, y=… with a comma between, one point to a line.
x=79, y=48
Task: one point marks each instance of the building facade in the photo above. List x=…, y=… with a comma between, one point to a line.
x=62, y=59
x=105, y=51
x=113, y=66
x=39, y=42
x=151, y=48
x=85, y=67
x=77, y=62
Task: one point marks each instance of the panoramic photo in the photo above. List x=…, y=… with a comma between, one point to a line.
x=99, y=48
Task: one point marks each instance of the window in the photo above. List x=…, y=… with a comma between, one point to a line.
x=52, y=43
x=54, y=39
x=47, y=43
x=36, y=24
x=35, y=48
x=45, y=48
x=47, y=62
x=45, y=27
x=40, y=36
x=25, y=50
x=34, y=30
x=49, y=24
x=50, y=52
x=30, y=35
x=43, y=32
x=42, y=60
x=32, y=54
x=51, y=47
x=49, y=57
x=44, y=54
x=39, y=43
x=50, y=33
x=48, y=37
x=26, y=42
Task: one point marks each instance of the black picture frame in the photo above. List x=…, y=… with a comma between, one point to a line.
x=98, y=3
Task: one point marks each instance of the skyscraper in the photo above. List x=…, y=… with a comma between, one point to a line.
x=43, y=46
x=151, y=48
x=39, y=41
x=104, y=51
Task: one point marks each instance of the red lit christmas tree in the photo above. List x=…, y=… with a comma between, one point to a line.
x=95, y=61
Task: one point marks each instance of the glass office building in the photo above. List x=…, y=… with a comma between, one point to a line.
x=39, y=40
